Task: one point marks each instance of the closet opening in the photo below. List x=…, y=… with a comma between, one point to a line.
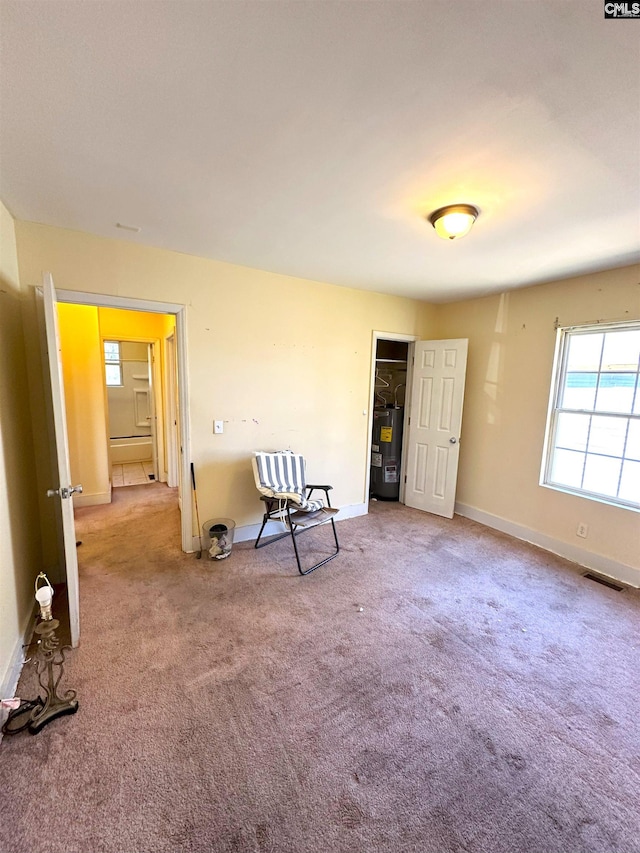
x=388, y=407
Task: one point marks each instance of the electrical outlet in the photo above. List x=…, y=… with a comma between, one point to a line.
x=218, y=427
x=583, y=530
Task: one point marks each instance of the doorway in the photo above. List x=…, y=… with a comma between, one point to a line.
x=425, y=456
x=85, y=343
x=132, y=412
x=151, y=352
x=391, y=364
x=388, y=419
x=115, y=377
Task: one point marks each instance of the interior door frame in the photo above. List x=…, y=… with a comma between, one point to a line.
x=171, y=409
x=388, y=336
x=99, y=300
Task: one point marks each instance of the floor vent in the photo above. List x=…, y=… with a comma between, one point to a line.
x=604, y=581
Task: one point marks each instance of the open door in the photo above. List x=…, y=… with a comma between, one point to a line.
x=435, y=421
x=61, y=491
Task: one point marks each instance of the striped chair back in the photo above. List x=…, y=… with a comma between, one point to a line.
x=280, y=475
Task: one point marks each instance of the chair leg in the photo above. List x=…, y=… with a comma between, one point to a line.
x=294, y=533
x=322, y=562
x=271, y=507
x=265, y=518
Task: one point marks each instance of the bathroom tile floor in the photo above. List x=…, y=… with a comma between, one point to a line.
x=132, y=474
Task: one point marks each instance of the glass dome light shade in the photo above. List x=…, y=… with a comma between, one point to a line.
x=453, y=221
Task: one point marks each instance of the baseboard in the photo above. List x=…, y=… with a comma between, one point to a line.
x=94, y=499
x=17, y=661
x=249, y=532
x=353, y=511
x=604, y=565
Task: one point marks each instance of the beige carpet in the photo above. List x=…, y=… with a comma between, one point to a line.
x=485, y=699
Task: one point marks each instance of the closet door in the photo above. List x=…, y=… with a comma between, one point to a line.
x=435, y=422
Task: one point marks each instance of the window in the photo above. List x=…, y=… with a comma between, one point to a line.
x=112, y=363
x=593, y=432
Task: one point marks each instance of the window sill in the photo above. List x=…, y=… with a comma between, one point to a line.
x=601, y=499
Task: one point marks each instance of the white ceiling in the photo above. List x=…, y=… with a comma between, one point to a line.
x=311, y=138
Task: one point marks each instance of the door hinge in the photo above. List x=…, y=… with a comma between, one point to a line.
x=405, y=478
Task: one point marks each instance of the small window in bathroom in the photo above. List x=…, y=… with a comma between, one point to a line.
x=112, y=363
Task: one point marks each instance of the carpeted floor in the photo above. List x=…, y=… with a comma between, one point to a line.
x=485, y=699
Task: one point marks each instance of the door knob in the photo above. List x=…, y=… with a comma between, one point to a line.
x=64, y=492
x=453, y=440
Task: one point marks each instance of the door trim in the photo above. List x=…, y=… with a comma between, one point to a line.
x=171, y=409
x=100, y=300
x=387, y=336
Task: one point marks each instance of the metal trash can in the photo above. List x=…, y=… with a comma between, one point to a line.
x=217, y=537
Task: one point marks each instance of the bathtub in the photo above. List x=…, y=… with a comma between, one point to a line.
x=134, y=448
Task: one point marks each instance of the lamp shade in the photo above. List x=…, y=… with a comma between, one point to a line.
x=453, y=221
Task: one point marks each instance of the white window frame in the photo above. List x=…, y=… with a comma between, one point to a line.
x=559, y=370
x=112, y=363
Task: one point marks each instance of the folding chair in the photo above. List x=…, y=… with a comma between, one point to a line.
x=280, y=479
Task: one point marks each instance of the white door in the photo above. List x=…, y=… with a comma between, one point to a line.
x=62, y=490
x=435, y=421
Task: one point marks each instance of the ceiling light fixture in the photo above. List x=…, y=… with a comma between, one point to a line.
x=454, y=220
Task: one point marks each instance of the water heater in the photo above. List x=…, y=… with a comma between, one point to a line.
x=386, y=449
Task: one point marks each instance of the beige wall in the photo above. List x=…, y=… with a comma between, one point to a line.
x=82, y=366
x=283, y=361
x=511, y=348
x=20, y=554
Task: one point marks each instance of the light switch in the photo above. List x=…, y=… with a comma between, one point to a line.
x=218, y=427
